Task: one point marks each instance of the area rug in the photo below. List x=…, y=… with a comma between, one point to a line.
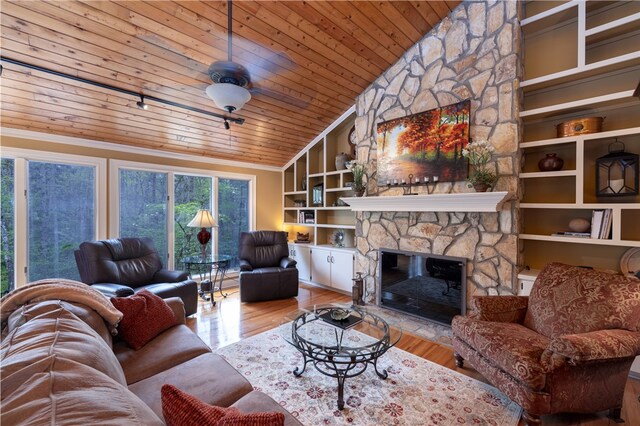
x=417, y=392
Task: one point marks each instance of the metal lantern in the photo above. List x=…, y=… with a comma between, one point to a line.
x=617, y=172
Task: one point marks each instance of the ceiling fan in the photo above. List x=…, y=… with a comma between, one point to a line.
x=232, y=86
x=231, y=81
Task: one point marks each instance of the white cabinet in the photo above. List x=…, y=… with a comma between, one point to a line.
x=332, y=268
x=526, y=278
x=302, y=255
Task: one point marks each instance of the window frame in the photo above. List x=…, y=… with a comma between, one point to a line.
x=21, y=159
x=114, y=197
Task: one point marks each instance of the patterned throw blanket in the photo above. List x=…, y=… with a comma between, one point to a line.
x=60, y=289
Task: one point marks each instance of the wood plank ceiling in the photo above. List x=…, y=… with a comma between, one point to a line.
x=308, y=61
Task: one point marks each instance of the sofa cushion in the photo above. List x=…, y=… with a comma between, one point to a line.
x=510, y=347
x=58, y=391
x=180, y=408
x=259, y=402
x=170, y=348
x=563, y=298
x=145, y=316
x=52, y=329
x=207, y=377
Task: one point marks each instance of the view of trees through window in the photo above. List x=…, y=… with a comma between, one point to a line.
x=143, y=207
x=7, y=263
x=233, y=215
x=61, y=215
x=191, y=193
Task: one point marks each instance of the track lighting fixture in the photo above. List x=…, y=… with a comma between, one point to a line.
x=141, y=103
x=226, y=124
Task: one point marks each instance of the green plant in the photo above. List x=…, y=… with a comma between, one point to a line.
x=479, y=153
x=358, y=171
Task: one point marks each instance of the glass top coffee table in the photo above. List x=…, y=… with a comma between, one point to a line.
x=339, y=344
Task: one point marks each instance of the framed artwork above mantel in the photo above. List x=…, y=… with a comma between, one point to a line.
x=427, y=144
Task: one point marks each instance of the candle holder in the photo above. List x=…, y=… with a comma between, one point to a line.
x=407, y=186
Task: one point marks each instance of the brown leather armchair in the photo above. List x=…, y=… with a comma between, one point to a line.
x=568, y=347
x=121, y=267
x=266, y=271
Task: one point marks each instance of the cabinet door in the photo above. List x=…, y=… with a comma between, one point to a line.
x=303, y=257
x=292, y=248
x=321, y=266
x=342, y=270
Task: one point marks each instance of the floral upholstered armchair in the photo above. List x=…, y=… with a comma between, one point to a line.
x=568, y=347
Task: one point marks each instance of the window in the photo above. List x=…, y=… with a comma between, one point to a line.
x=50, y=204
x=7, y=262
x=140, y=207
x=190, y=194
x=143, y=207
x=61, y=214
x=233, y=216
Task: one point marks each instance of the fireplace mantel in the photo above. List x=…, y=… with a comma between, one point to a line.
x=458, y=202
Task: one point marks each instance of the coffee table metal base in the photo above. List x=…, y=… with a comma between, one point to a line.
x=340, y=370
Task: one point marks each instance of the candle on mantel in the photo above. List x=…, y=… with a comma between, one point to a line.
x=403, y=182
x=388, y=182
x=395, y=181
x=426, y=179
x=417, y=180
x=435, y=178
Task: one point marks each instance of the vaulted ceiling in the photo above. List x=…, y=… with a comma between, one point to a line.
x=308, y=61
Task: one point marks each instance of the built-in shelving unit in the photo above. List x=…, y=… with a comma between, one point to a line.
x=314, y=166
x=581, y=59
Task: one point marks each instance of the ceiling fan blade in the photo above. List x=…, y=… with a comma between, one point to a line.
x=282, y=97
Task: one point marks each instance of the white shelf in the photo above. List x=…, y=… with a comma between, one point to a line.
x=333, y=226
x=574, y=240
x=459, y=202
x=558, y=173
x=345, y=188
x=295, y=193
x=586, y=137
x=584, y=206
x=308, y=225
x=597, y=101
x=338, y=172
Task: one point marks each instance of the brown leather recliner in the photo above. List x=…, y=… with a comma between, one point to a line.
x=266, y=271
x=567, y=347
x=123, y=266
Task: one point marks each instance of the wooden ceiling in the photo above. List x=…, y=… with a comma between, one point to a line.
x=308, y=61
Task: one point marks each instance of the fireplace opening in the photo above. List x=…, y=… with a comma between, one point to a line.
x=426, y=285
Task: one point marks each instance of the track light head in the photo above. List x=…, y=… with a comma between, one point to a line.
x=226, y=124
x=141, y=103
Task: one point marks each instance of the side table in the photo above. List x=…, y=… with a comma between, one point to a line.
x=215, y=266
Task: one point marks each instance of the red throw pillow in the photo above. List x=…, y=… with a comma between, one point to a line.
x=145, y=315
x=181, y=409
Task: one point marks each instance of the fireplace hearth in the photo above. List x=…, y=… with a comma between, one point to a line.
x=421, y=284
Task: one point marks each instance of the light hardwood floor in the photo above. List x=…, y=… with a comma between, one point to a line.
x=231, y=321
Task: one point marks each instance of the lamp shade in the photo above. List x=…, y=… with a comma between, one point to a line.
x=202, y=219
x=227, y=96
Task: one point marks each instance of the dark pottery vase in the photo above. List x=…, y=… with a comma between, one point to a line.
x=481, y=187
x=550, y=163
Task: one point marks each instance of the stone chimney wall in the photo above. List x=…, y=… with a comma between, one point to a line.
x=474, y=54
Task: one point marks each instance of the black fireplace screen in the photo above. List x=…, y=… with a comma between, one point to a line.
x=426, y=285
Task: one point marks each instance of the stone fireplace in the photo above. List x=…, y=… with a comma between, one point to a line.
x=472, y=54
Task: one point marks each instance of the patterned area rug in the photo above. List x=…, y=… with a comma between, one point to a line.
x=417, y=392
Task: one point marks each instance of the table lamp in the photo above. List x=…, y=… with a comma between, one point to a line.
x=203, y=220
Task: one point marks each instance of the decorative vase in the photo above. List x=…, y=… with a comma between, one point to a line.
x=579, y=224
x=481, y=187
x=359, y=192
x=550, y=163
x=303, y=184
x=341, y=158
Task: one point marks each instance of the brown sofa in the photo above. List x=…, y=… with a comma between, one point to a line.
x=60, y=366
x=266, y=270
x=568, y=347
x=123, y=266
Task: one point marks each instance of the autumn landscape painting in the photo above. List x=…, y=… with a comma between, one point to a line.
x=426, y=144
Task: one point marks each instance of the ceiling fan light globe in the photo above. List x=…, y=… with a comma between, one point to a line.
x=228, y=97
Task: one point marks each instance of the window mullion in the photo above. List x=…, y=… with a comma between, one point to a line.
x=21, y=246
x=171, y=262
